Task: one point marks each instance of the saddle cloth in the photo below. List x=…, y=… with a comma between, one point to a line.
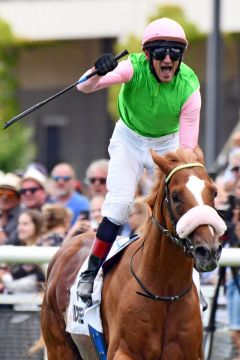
x=78, y=316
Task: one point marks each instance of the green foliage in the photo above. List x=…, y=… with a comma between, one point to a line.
x=133, y=44
x=16, y=150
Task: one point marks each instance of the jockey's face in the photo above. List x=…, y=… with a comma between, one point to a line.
x=165, y=63
x=165, y=69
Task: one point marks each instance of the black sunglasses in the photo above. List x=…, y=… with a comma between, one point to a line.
x=235, y=168
x=161, y=52
x=100, y=180
x=31, y=190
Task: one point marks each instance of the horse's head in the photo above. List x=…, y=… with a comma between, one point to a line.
x=190, y=217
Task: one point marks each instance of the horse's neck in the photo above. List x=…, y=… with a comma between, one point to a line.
x=163, y=262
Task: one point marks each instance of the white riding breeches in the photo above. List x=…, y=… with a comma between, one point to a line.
x=129, y=155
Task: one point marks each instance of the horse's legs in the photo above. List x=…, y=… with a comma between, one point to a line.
x=62, y=353
x=58, y=342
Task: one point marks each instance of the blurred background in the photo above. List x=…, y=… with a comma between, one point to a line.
x=47, y=45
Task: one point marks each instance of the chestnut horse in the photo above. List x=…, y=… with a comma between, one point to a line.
x=150, y=306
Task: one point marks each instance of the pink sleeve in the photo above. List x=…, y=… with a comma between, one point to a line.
x=122, y=74
x=189, y=121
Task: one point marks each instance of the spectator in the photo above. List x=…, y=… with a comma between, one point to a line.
x=138, y=215
x=233, y=291
x=25, y=278
x=9, y=208
x=64, y=193
x=40, y=167
x=30, y=226
x=96, y=176
x=235, y=143
x=144, y=185
x=33, y=189
x=232, y=172
x=57, y=220
x=88, y=221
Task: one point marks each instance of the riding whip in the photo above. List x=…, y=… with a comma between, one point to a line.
x=37, y=106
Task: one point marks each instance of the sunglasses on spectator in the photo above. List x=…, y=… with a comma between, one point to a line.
x=31, y=190
x=63, y=178
x=235, y=168
x=7, y=194
x=100, y=180
x=161, y=52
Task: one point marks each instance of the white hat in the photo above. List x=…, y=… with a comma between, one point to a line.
x=10, y=181
x=35, y=175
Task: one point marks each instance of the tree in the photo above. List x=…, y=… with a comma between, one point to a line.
x=133, y=44
x=16, y=150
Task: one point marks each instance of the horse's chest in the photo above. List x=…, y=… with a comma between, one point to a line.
x=162, y=336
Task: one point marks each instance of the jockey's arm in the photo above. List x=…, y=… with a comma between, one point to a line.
x=189, y=121
x=121, y=74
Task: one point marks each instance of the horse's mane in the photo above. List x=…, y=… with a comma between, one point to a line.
x=180, y=156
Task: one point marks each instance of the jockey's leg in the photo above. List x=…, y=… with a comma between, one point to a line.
x=125, y=168
x=105, y=236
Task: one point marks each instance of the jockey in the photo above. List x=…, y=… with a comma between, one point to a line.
x=159, y=105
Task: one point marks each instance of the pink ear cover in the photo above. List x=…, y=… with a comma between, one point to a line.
x=200, y=215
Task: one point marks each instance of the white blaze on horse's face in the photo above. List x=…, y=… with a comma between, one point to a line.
x=196, y=187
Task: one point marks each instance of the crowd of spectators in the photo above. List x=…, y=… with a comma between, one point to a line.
x=227, y=181
x=38, y=208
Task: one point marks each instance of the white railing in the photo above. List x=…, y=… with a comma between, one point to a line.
x=43, y=254
x=27, y=254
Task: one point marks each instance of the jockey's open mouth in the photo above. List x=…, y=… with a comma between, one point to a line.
x=166, y=69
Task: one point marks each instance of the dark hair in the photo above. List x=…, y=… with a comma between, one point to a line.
x=37, y=219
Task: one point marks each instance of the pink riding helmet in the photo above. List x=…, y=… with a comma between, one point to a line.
x=164, y=29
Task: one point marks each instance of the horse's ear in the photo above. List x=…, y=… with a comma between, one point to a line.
x=161, y=162
x=198, y=152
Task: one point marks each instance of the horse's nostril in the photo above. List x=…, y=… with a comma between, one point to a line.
x=202, y=252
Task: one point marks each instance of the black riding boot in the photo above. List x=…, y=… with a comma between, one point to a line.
x=105, y=236
x=85, y=285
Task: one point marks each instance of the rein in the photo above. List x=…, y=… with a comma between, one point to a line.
x=150, y=295
x=186, y=243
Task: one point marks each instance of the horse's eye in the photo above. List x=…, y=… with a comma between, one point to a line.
x=175, y=197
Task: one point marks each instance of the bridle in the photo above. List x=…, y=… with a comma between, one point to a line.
x=185, y=244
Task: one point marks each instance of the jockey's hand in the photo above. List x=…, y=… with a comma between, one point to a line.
x=105, y=63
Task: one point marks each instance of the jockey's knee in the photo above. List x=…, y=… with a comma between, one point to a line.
x=117, y=213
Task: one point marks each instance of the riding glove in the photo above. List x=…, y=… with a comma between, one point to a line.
x=105, y=63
